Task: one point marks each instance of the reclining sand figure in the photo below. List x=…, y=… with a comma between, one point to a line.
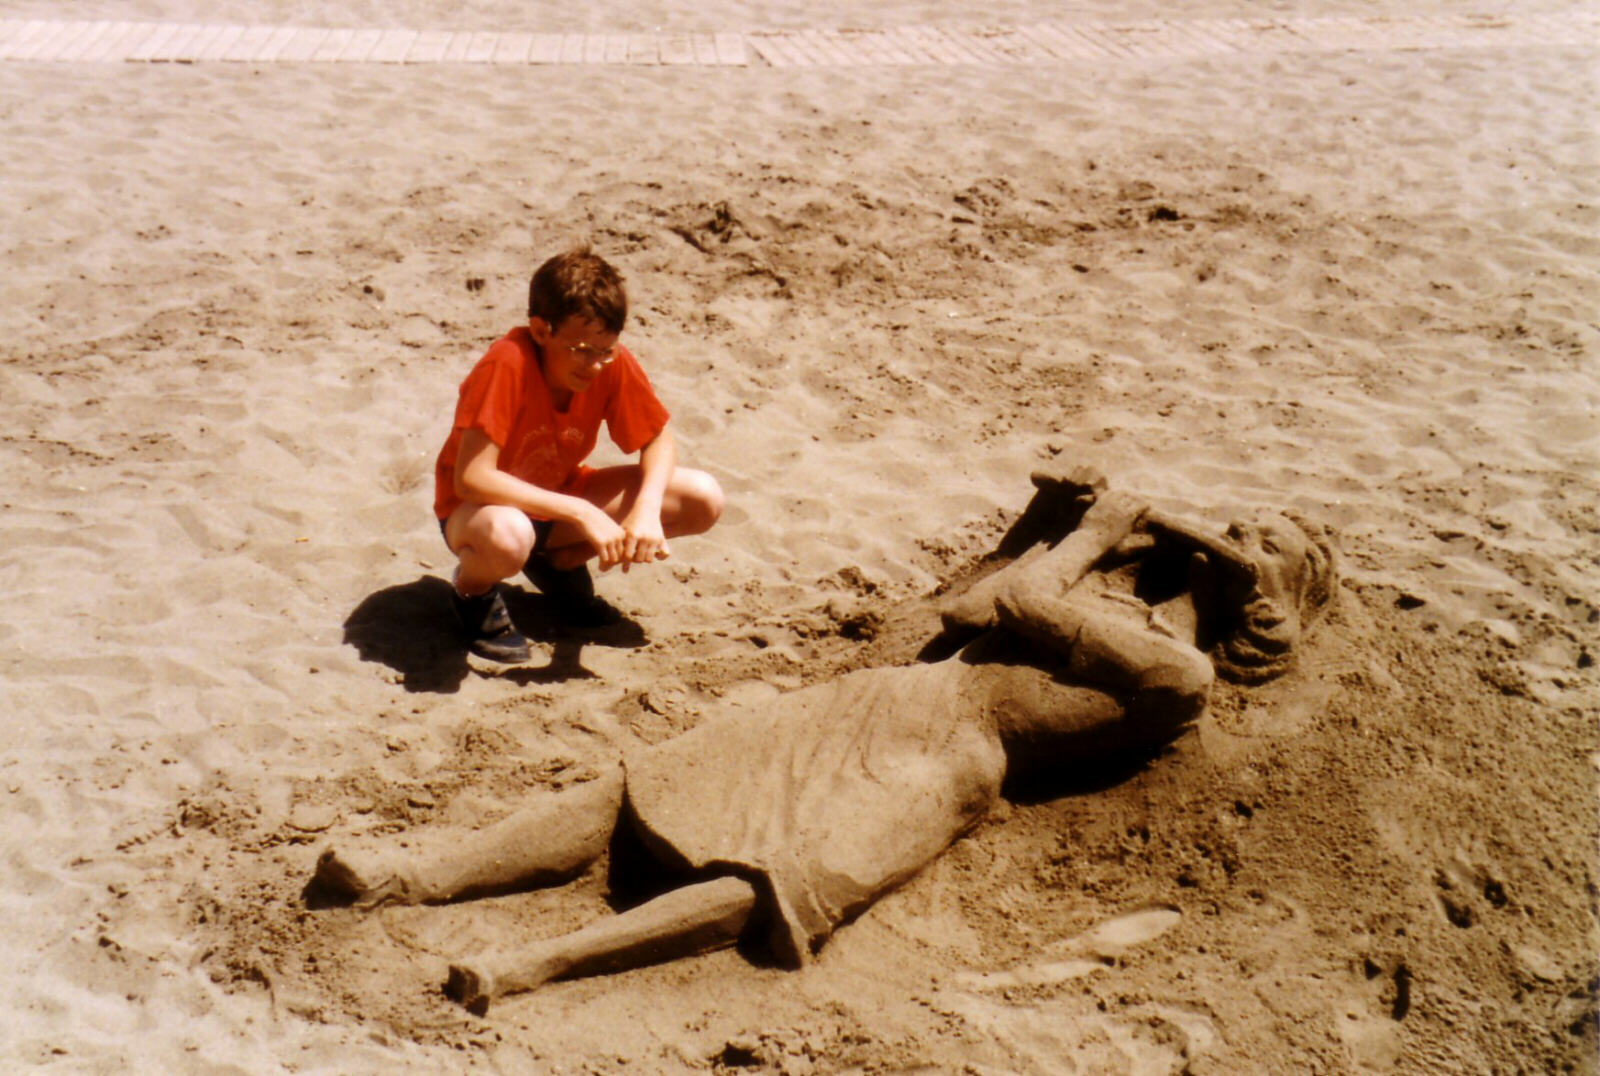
x=784, y=821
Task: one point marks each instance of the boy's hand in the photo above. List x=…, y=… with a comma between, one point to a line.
x=645, y=541
x=608, y=538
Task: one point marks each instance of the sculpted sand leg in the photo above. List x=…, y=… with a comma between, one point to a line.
x=552, y=840
x=683, y=922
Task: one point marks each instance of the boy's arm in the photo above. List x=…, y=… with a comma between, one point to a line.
x=645, y=540
x=479, y=479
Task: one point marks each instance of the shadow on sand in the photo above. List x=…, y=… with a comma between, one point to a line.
x=410, y=628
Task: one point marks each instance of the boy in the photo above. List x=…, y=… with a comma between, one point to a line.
x=510, y=488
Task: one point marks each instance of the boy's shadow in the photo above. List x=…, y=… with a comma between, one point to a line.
x=410, y=628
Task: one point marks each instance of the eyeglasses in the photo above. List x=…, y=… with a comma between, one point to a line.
x=594, y=356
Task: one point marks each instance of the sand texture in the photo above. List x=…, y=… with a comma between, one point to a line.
x=236, y=304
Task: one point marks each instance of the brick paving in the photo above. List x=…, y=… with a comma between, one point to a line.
x=1056, y=42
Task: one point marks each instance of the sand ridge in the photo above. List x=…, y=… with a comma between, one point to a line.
x=1361, y=286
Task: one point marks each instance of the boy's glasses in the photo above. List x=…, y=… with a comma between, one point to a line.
x=594, y=356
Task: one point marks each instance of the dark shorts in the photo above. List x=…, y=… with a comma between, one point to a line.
x=541, y=533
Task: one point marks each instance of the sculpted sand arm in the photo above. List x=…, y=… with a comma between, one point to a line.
x=1049, y=570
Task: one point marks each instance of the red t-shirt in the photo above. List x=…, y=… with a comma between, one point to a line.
x=506, y=397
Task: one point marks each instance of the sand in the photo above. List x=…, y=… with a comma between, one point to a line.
x=238, y=300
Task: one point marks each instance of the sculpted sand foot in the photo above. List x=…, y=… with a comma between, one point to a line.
x=362, y=881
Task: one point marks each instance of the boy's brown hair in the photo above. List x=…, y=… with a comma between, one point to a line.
x=578, y=282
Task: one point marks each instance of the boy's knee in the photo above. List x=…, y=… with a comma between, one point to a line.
x=506, y=538
x=701, y=501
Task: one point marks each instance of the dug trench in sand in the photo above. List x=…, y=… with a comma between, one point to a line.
x=791, y=819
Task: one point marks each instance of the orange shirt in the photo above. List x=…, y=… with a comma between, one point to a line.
x=506, y=397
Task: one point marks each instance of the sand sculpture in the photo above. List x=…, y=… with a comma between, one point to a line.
x=780, y=823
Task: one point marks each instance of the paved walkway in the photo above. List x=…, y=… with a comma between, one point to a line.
x=54, y=41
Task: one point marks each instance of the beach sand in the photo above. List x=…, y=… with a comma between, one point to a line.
x=237, y=302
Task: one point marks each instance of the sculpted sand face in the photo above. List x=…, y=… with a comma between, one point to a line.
x=1294, y=577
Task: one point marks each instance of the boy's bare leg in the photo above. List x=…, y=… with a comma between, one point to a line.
x=691, y=504
x=491, y=541
x=695, y=919
x=549, y=841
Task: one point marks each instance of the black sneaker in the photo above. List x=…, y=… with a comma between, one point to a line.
x=488, y=627
x=571, y=593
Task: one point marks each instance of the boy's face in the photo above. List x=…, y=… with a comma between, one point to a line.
x=574, y=353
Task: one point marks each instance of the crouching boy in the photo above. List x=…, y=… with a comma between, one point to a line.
x=511, y=490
